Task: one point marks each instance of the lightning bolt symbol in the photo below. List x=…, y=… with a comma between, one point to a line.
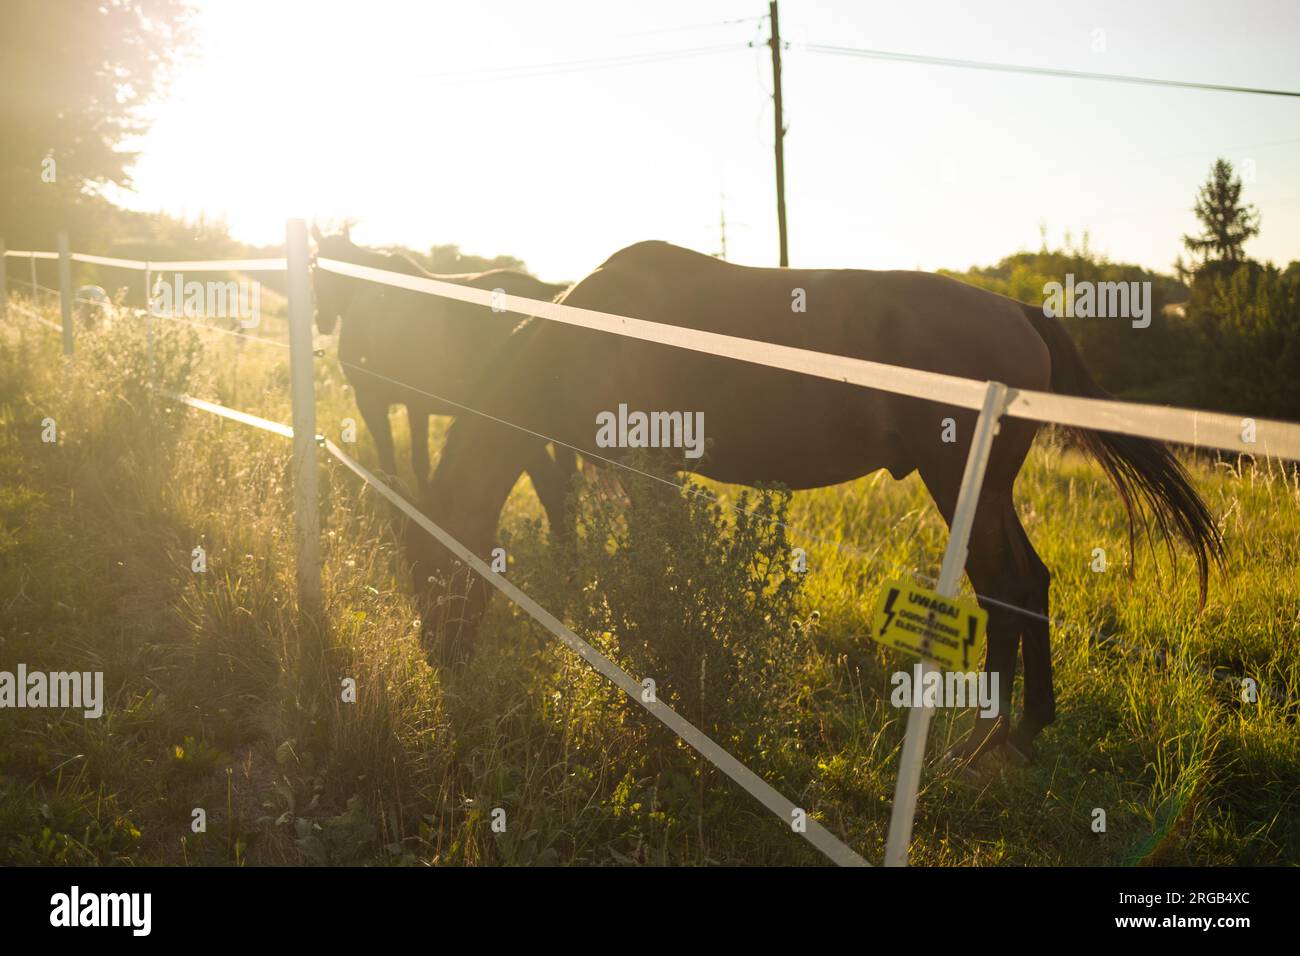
x=889, y=609
x=972, y=629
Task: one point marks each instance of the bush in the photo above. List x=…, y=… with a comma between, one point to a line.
x=679, y=588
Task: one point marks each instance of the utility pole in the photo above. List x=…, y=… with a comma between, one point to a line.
x=775, y=44
x=722, y=227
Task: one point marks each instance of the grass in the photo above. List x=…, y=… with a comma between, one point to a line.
x=216, y=700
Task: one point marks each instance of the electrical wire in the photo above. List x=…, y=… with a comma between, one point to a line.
x=1034, y=70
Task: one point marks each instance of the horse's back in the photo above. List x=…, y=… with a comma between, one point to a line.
x=915, y=319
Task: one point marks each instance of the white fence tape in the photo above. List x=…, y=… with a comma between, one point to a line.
x=948, y=389
x=235, y=416
x=196, y=265
x=109, y=261
x=219, y=265
x=1182, y=425
x=31, y=255
x=185, y=265
x=1185, y=426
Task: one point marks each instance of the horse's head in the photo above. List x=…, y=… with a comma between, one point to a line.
x=333, y=291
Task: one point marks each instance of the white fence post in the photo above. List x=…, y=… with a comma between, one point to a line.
x=954, y=562
x=149, y=319
x=65, y=291
x=303, y=393
x=36, y=297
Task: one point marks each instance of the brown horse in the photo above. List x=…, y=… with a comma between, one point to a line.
x=771, y=426
x=399, y=347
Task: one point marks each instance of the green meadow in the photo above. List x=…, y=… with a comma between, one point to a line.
x=220, y=699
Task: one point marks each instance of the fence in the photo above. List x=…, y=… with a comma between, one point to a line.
x=993, y=400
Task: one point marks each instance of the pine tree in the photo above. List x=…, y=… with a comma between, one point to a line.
x=1227, y=222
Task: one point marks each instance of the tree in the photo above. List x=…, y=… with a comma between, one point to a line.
x=1227, y=223
x=1247, y=357
x=76, y=75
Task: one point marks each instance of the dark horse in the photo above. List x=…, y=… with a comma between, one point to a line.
x=399, y=347
x=770, y=426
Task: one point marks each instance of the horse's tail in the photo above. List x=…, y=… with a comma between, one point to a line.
x=1151, y=482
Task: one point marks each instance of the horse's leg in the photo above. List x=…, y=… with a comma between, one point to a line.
x=478, y=467
x=1040, y=698
x=995, y=567
x=552, y=480
x=992, y=564
x=419, y=425
x=374, y=410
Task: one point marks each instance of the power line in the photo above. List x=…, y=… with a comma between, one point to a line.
x=1034, y=70
x=779, y=135
x=695, y=26
x=594, y=63
x=526, y=70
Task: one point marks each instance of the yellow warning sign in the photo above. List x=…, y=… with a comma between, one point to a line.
x=946, y=631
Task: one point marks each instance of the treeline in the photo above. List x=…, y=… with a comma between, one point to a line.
x=96, y=226
x=1227, y=339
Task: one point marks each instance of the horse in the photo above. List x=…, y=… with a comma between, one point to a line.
x=399, y=347
x=771, y=426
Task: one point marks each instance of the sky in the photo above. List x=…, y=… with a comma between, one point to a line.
x=431, y=122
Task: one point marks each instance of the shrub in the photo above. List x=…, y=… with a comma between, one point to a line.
x=679, y=588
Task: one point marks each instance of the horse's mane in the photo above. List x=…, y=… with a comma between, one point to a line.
x=389, y=261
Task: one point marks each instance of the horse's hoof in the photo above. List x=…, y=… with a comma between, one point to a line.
x=1021, y=749
x=963, y=761
x=968, y=768
x=1022, y=754
x=976, y=744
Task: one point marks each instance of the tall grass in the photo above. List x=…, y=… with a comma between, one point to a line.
x=215, y=703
